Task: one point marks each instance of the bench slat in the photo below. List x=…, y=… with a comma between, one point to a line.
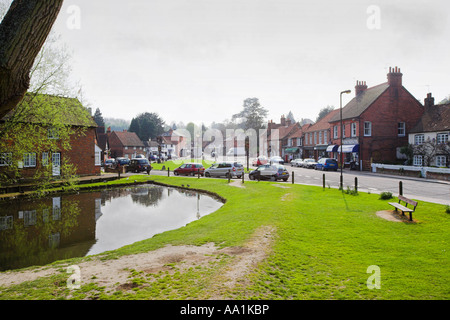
x=404, y=208
x=399, y=206
x=409, y=201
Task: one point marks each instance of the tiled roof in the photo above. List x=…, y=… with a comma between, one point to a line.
x=361, y=102
x=128, y=139
x=323, y=124
x=436, y=118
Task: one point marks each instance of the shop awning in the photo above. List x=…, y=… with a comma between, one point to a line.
x=349, y=148
x=291, y=150
x=332, y=148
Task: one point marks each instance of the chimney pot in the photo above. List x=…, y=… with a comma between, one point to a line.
x=394, y=77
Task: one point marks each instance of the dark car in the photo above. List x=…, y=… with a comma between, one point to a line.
x=139, y=165
x=190, y=169
x=270, y=172
x=122, y=161
x=326, y=164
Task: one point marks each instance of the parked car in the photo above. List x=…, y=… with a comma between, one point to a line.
x=139, y=165
x=122, y=161
x=296, y=163
x=111, y=162
x=190, y=169
x=272, y=172
x=309, y=163
x=234, y=169
x=325, y=164
x=277, y=159
x=260, y=161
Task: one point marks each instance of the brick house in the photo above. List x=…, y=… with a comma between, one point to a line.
x=376, y=122
x=430, y=137
x=82, y=141
x=317, y=137
x=125, y=144
x=277, y=137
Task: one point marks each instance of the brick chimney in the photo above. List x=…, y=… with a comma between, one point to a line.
x=394, y=77
x=283, y=121
x=429, y=101
x=361, y=86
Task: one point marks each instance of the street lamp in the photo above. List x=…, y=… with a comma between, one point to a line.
x=342, y=134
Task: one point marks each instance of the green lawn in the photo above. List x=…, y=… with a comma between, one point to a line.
x=325, y=241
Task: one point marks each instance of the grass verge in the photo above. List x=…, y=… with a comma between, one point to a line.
x=326, y=240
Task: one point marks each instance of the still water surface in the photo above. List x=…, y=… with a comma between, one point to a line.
x=37, y=232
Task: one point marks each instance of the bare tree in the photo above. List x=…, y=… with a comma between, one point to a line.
x=23, y=32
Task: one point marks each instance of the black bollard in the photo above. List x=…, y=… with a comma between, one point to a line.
x=400, y=188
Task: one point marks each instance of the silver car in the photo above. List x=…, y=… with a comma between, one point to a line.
x=272, y=172
x=223, y=169
x=296, y=163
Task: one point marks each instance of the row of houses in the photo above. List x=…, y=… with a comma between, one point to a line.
x=377, y=124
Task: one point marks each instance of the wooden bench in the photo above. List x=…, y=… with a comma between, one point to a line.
x=404, y=208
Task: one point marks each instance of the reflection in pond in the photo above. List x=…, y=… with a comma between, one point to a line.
x=37, y=232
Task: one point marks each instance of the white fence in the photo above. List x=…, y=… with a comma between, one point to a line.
x=425, y=172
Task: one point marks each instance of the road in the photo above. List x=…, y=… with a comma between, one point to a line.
x=435, y=191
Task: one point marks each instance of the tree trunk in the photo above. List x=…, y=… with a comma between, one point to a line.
x=22, y=33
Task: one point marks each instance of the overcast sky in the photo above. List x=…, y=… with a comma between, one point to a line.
x=198, y=60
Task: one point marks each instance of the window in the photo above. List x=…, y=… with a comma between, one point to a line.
x=315, y=137
x=290, y=142
x=353, y=129
x=320, y=137
x=52, y=133
x=45, y=158
x=442, y=137
x=325, y=137
x=98, y=158
x=5, y=159
x=419, y=139
x=310, y=138
x=335, y=132
x=343, y=131
x=441, y=161
x=401, y=129
x=29, y=159
x=299, y=141
x=367, y=128
x=417, y=160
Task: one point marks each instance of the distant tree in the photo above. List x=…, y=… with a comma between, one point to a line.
x=117, y=124
x=253, y=114
x=323, y=112
x=98, y=118
x=147, y=126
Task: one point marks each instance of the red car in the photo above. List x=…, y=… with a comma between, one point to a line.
x=190, y=169
x=260, y=161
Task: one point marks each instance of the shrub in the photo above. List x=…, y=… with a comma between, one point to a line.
x=447, y=209
x=386, y=195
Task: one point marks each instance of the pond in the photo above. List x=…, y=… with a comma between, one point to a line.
x=38, y=232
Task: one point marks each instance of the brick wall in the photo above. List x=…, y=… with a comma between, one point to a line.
x=82, y=153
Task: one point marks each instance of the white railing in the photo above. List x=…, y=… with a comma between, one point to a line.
x=422, y=170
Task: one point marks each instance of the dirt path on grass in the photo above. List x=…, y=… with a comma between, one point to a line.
x=114, y=274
